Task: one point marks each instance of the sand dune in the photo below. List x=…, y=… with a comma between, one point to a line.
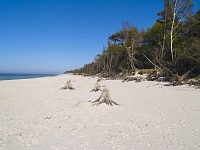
x=35, y=114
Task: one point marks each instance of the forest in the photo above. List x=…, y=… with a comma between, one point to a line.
x=171, y=45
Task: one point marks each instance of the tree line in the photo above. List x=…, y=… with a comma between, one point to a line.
x=172, y=44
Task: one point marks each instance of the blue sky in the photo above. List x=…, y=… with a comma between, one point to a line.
x=52, y=36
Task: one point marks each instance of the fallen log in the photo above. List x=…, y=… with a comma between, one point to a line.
x=154, y=75
x=179, y=80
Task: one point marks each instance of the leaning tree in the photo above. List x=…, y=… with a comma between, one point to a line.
x=129, y=37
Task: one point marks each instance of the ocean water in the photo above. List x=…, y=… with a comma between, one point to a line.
x=9, y=76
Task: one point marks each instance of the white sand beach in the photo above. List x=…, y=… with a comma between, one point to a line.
x=36, y=115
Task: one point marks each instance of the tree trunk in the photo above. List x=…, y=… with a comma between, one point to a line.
x=130, y=52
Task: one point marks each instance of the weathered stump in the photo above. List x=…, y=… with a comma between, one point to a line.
x=96, y=87
x=105, y=98
x=68, y=86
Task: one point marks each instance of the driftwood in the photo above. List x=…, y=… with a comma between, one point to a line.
x=96, y=87
x=68, y=86
x=133, y=78
x=129, y=78
x=105, y=98
x=154, y=75
x=179, y=80
x=195, y=82
x=139, y=79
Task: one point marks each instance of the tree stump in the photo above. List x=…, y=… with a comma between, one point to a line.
x=68, y=86
x=104, y=98
x=96, y=87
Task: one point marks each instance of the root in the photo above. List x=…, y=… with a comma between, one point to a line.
x=104, y=98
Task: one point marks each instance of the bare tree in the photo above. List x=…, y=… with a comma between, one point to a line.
x=130, y=47
x=129, y=37
x=181, y=9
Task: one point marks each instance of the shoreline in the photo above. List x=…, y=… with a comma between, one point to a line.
x=13, y=76
x=35, y=114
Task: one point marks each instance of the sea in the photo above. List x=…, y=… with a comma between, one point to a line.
x=13, y=76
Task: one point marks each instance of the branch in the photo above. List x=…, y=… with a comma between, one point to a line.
x=179, y=6
x=151, y=61
x=177, y=25
x=176, y=33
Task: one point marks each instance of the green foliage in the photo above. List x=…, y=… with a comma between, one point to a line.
x=190, y=54
x=153, y=43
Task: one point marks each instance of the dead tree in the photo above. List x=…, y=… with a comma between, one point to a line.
x=67, y=86
x=179, y=80
x=133, y=78
x=154, y=75
x=129, y=78
x=129, y=37
x=96, y=87
x=195, y=82
x=180, y=10
x=105, y=98
x=139, y=79
x=151, y=62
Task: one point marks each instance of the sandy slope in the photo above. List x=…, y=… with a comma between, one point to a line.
x=35, y=114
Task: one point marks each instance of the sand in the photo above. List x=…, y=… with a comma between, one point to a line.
x=35, y=114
